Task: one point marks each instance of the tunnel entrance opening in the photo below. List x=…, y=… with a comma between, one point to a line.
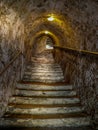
x=43, y=43
x=42, y=50
x=49, y=44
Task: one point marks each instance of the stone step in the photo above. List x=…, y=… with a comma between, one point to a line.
x=45, y=116
x=57, y=110
x=44, y=87
x=44, y=93
x=30, y=106
x=60, y=97
x=43, y=77
x=41, y=83
x=43, y=74
x=51, y=77
x=43, y=64
x=35, y=100
x=43, y=70
x=49, y=103
x=68, y=122
x=42, y=80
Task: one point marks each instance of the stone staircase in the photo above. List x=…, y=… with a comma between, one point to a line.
x=48, y=73
x=42, y=101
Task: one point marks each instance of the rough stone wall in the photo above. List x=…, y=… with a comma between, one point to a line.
x=11, y=41
x=78, y=29
x=80, y=18
x=78, y=70
x=8, y=81
x=85, y=82
x=81, y=71
x=11, y=34
x=40, y=45
x=83, y=18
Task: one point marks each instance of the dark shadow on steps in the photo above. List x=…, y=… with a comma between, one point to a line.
x=46, y=128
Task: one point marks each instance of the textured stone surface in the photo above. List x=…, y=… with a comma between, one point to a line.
x=8, y=81
x=45, y=94
x=21, y=22
x=49, y=72
x=81, y=71
x=57, y=110
x=76, y=29
x=11, y=41
x=48, y=108
x=11, y=33
x=74, y=122
x=44, y=87
x=26, y=100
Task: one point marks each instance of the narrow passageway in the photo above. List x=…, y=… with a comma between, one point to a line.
x=48, y=64
x=43, y=100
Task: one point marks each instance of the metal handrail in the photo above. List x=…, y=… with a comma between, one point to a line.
x=10, y=63
x=76, y=51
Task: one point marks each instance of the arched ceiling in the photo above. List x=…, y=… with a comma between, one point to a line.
x=58, y=27
x=71, y=18
x=43, y=33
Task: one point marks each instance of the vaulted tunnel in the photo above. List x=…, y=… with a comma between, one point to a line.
x=57, y=43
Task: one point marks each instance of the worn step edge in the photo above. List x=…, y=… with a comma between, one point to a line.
x=50, y=72
x=30, y=106
x=43, y=80
x=44, y=96
x=68, y=122
x=46, y=78
x=41, y=83
x=44, y=87
x=51, y=64
x=45, y=70
x=61, y=110
x=45, y=93
x=29, y=100
x=40, y=89
x=41, y=73
x=44, y=67
x=43, y=76
x=52, y=78
x=29, y=71
x=45, y=116
x=40, y=77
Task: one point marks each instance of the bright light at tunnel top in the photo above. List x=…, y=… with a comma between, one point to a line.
x=46, y=32
x=51, y=18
